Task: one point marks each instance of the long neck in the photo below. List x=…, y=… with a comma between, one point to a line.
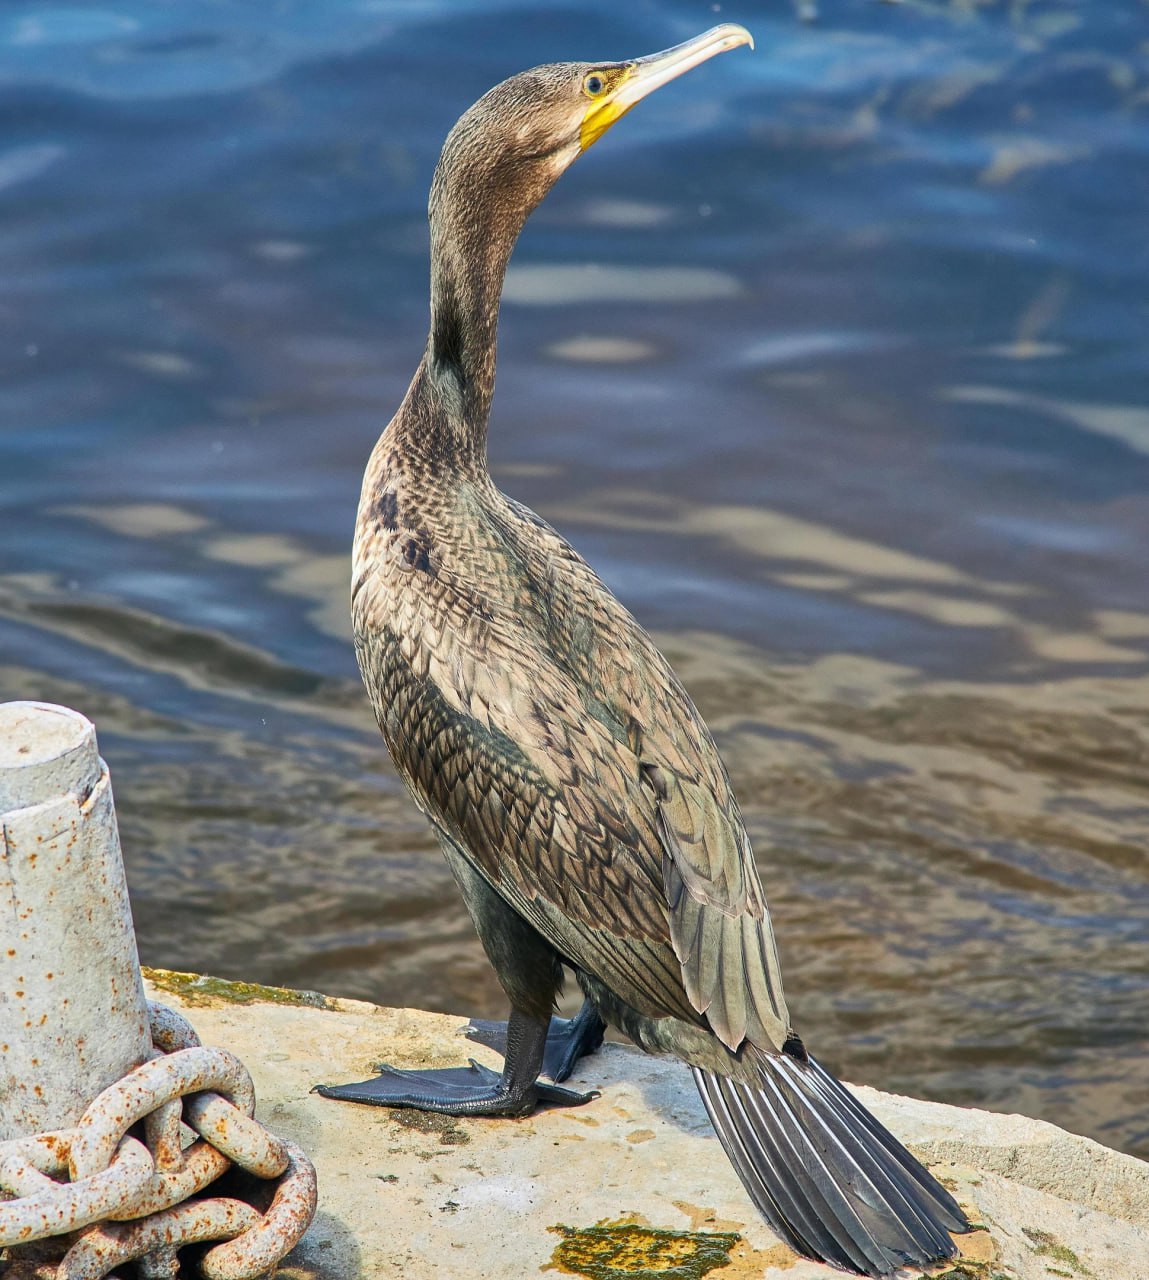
x=480, y=198
x=471, y=243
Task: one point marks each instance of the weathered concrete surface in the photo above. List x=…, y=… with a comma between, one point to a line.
x=411, y=1196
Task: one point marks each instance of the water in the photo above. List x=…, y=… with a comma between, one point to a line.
x=831, y=358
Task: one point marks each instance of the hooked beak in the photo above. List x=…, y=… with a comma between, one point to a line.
x=652, y=72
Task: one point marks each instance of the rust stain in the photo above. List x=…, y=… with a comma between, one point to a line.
x=701, y=1218
x=748, y=1263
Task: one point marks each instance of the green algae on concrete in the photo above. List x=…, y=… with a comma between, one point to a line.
x=1048, y=1246
x=202, y=988
x=451, y=1133
x=978, y=1259
x=966, y=1270
x=626, y=1251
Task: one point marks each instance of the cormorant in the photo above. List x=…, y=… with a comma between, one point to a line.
x=577, y=794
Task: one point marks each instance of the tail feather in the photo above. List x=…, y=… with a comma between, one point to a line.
x=804, y=1227
x=856, y=1222
x=895, y=1207
x=937, y=1199
x=832, y=1182
x=819, y=1207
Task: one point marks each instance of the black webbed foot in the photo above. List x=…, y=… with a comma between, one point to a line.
x=568, y=1039
x=473, y=1090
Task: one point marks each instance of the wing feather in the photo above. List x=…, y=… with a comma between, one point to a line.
x=719, y=923
x=564, y=757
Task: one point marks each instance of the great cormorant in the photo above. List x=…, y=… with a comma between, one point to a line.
x=577, y=794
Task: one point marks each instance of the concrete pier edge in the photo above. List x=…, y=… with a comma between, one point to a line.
x=634, y=1182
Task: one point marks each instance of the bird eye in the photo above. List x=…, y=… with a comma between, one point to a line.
x=593, y=85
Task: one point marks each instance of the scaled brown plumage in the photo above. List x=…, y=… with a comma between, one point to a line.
x=544, y=734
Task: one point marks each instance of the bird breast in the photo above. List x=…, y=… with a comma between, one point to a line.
x=433, y=588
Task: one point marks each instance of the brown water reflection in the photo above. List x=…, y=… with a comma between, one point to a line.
x=816, y=557
x=957, y=868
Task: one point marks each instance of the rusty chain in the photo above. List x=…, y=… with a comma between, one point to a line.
x=126, y=1198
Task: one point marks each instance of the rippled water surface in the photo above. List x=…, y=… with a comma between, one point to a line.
x=831, y=358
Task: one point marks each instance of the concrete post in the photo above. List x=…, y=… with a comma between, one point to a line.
x=73, y=1017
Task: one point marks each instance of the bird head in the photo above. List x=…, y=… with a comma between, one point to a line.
x=524, y=132
x=607, y=92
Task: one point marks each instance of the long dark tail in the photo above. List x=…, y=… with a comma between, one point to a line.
x=832, y=1182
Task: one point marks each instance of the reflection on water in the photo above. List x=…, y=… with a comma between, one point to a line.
x=831, y=359
x=560, y=284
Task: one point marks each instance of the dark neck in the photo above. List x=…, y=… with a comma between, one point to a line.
x=480, y=198
x=469, y=254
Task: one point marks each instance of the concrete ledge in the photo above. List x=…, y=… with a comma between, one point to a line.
x=634, y=1184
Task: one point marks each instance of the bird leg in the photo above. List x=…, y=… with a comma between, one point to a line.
x=568, y=1039
x=473, y=1090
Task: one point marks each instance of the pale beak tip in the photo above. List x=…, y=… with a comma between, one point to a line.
x=736, y=35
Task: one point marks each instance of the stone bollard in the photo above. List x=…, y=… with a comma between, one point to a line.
x=99, y=1088
x=73, y=1016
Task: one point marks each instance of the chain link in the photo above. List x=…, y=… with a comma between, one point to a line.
x=137, y=1192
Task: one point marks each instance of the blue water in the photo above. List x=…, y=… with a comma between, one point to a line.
x=831, y=358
